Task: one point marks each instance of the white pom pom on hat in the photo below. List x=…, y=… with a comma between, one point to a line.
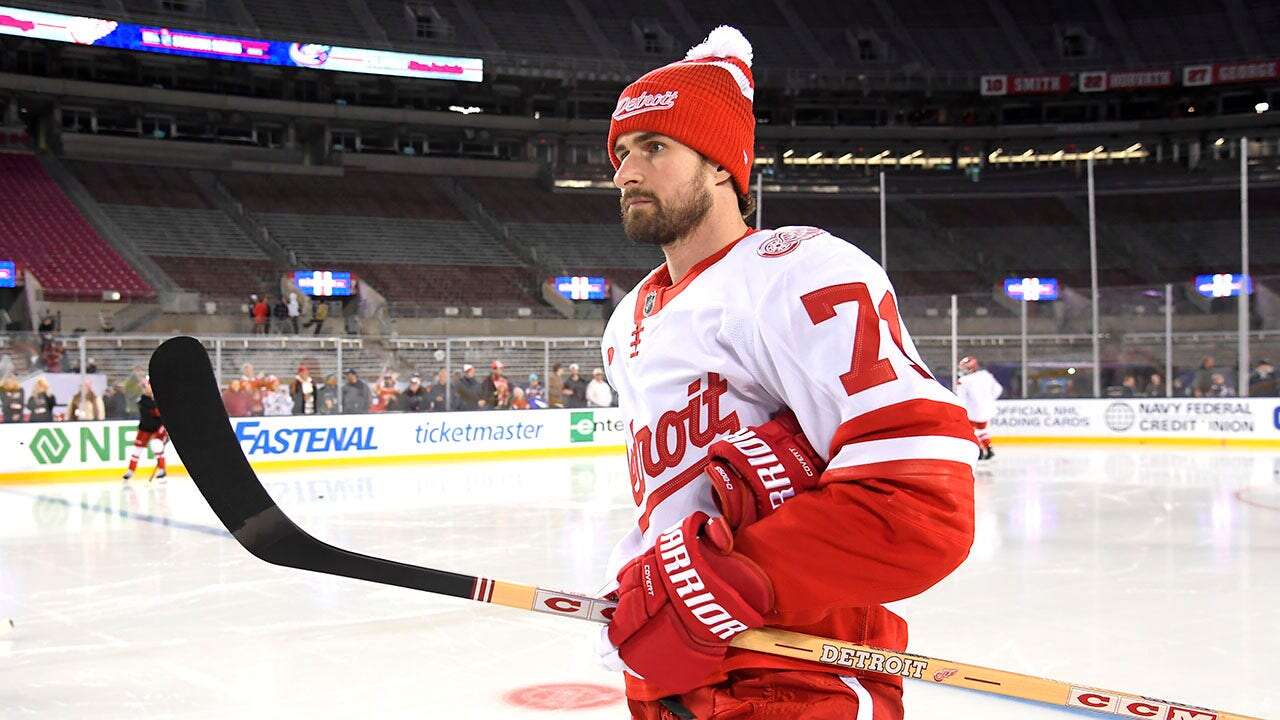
x=724, y=41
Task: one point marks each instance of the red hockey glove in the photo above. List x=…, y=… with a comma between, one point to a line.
x=755, y=470
x=680, y=604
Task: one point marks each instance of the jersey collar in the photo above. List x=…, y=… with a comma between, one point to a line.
x=656, y=290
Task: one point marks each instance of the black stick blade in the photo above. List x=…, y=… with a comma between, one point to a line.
x=186, y=391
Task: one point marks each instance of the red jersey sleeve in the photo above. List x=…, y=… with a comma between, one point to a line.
x=894, y=512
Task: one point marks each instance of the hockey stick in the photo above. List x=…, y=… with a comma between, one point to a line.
x=155, y=467
x=192, y=410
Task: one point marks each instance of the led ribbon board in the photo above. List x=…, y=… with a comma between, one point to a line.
x=8, y=274
x=97, y=32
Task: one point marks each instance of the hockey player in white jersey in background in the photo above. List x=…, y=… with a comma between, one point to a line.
x=792, y=461
x=978, y=389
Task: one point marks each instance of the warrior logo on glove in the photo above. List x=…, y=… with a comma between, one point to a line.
x=757, y=469
x=681, y=602
x=703, y=605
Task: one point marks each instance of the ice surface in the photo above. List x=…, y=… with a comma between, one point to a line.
x=1143, y=570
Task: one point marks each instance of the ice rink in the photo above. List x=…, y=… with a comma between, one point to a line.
x=1153, y=571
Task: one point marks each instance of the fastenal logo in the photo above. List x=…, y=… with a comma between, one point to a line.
x=582, y=426
x=50, y=446
x=1119, y=417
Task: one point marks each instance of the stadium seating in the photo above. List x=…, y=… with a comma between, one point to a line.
x=163, y=212
x=574, y=231
x=536, y=26
x=355, y=193
x=323, y=19
x=399, y=233
x=945, y=234
x=42, y=230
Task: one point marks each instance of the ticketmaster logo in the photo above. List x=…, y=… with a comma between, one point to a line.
x=50, y=446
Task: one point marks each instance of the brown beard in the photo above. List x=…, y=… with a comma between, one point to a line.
x=660, y=225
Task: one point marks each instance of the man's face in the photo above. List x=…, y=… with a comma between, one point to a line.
x=351, y=378
x=666, y=188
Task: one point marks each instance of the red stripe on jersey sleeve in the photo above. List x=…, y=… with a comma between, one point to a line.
x=910, y=418
x=874, y=534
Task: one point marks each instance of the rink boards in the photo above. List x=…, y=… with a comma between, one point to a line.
x=95, y=450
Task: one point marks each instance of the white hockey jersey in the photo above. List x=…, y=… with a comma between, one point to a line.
x=978, y=391
x=796, y=317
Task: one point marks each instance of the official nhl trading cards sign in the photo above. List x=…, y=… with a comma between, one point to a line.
x=98, y=32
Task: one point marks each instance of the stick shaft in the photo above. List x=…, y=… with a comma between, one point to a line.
x=840, y=653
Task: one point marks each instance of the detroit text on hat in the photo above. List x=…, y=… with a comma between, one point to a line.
x=643, y=103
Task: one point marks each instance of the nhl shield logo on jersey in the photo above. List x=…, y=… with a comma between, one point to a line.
x=784, y=241
x=649, y=301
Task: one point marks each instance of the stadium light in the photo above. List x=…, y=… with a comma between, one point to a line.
x=1133, y=148
x=815, y=156
x=995, y=153
x=1219, y=142
x=464, y=110
x=1262, y=107
x=788, y=153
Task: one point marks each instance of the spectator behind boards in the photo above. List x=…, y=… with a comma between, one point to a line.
x=575, y=389
x=599, y=394
x=468, y=394
x=356, y=396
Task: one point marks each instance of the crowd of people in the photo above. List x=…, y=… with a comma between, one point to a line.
x=255, y=393
x=118, y=402
x=1206, y=381
x=284, y=315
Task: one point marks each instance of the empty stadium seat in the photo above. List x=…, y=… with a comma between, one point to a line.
x=43, y=230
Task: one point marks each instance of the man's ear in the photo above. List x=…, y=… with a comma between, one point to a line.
x=721, y=175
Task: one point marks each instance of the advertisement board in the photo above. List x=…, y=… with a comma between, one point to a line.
x=1190, y=420
x=100, y=32
x=43, y=452
x=97, y=450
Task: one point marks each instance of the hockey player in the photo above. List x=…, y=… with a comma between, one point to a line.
x=978, y=390
x=792, y=461
x=149, y=427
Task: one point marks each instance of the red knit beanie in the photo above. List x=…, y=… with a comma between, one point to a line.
x=703, y=101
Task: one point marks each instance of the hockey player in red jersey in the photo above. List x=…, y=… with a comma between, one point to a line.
x=149, y=426
x=792, y=461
